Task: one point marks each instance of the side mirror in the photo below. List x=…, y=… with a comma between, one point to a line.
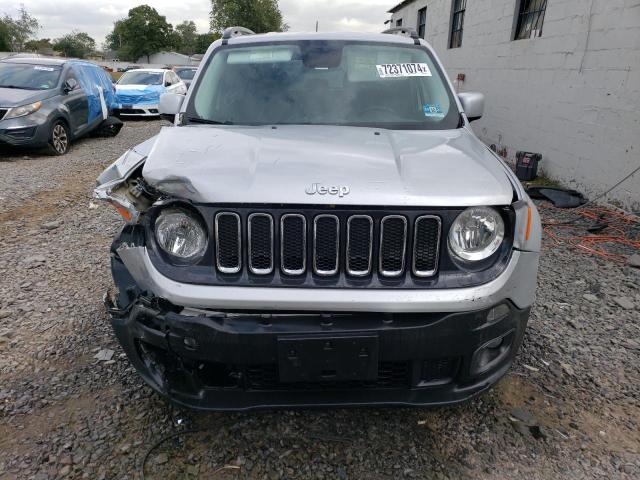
x=472, y=104
x=167, y=84
x=170, y=105
x=70, y=85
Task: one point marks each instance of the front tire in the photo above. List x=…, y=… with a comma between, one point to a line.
x=59, y=138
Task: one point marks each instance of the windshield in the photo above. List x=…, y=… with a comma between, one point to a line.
x=186, y=74
x=28, y=76
x=140, y=78
x=325, y=83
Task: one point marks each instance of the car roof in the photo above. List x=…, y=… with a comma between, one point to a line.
x=48, y=61
x=36, y=60
x=295, y=36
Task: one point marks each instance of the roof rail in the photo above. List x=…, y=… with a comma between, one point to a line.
x=235, y=32
x=408, y=32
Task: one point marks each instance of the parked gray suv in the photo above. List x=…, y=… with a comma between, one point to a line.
x=48, y=102
x=320, y=227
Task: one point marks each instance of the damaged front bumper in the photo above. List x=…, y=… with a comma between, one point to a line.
x=240, y=361
x=238, y=348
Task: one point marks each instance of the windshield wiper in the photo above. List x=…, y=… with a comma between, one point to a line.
x=17, y=87
x=206, y=121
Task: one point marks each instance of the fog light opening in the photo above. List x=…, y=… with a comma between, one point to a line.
x=492, y=353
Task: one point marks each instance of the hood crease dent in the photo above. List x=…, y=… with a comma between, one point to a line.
x=265, y=165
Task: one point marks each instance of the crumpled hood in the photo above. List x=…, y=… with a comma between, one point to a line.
x=351, y=165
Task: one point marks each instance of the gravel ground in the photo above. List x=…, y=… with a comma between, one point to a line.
x=569, y=408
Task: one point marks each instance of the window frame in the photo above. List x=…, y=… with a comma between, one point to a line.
x=524, y=9
x=455, y=13
x=399, y=23
x=422, y=26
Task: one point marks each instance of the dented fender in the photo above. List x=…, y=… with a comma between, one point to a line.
x=113, y=185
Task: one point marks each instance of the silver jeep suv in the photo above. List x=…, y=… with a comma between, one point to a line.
x=320, y=226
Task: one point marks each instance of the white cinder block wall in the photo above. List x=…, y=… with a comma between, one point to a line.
x=572, y=94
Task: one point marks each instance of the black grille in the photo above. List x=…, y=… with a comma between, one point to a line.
x=332, y=245
x=293, y=244
x=326, y=232
x=426, y=243
x=390, y=375
x=393, y=244
x=359, y=245
x=228, y=242
x=260, y=232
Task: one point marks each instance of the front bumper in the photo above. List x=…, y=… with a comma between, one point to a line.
x=141, y=110
x=221, y=361
x=224, y=347
x=24, y=131
x=516, y=283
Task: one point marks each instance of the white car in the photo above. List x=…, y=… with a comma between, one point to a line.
x=138, y=91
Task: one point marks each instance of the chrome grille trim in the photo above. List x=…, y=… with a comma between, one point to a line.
x=350, y=271
x=333, y=271
x=304, y=244
x=259, y=271
x=426, y=273
x=237, y=268
x=392, y=273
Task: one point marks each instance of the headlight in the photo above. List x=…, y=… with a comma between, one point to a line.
x=180, y=233
x=23, y=110
x=476, y=234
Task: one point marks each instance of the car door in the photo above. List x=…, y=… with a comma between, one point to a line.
x=76, y=102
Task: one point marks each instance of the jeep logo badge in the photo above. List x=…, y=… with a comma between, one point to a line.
x=341, y=191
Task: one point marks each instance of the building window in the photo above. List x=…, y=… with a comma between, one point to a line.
x=457, y=23
x=530, y=19
x=422, y=22
x=399, y=22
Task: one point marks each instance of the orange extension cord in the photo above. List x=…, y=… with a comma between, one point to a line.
x=620, y=232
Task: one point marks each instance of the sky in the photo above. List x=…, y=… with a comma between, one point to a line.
x=96, y=17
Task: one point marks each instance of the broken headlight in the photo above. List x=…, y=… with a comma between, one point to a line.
x=180, y=233
x=476, y=234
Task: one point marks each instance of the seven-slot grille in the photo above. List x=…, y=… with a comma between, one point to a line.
x=361, y=244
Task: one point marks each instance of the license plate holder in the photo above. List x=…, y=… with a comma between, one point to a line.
x=327, y=358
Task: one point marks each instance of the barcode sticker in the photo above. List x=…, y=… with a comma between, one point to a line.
x=396, y=70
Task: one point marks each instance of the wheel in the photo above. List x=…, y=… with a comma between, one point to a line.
x=59, y=138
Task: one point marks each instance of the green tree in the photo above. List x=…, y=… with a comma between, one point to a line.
x=186, y=36
x=204, y=40
x=19, y=30
x=37, y=45
x=75, y=44
x=261, y=16
x=5, y=43
x=142, y=33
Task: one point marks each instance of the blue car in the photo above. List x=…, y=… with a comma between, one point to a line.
x=138, y=91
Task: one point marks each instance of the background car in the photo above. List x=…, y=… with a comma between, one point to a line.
x=138, y=91
x=186, y=74
x=51, y=102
